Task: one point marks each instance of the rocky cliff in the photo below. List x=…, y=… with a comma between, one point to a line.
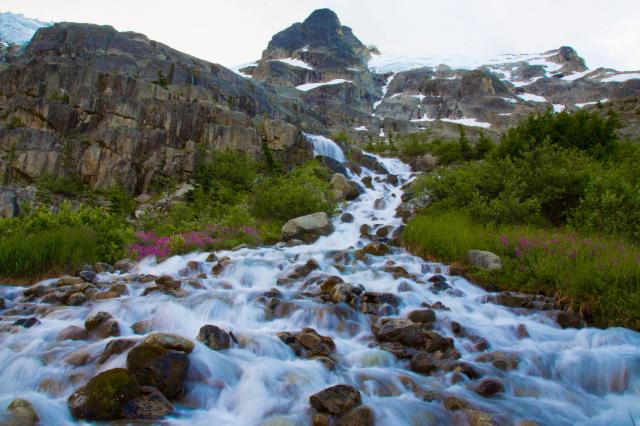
x=116, y=108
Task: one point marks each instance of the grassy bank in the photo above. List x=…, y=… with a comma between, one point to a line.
x=235, y=201
x=598, y=274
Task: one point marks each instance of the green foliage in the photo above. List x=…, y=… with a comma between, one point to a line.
x=303, y=191
x=225, y=174
x=600, y=274
x=15, y=123
x=111, y=232
x=64, y=185
x=583, y=130
x=45, y=251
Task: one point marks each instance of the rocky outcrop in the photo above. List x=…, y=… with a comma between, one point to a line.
x=344, y=189
x=307, y=228
x=88, y=101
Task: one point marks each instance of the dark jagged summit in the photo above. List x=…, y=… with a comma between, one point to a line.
x=321, y=40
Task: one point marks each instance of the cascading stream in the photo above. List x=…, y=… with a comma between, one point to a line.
x=564, y=376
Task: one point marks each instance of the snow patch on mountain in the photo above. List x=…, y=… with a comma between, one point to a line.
x=17, y=29
x=311, y=86
x=294, y=63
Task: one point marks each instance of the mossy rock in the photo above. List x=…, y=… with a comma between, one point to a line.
x=104, y=397
x=153, y=365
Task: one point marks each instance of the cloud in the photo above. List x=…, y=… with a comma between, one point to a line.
x=606, y=33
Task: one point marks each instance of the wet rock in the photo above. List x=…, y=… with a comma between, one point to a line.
x=115, y=347
x=212, y=258
x=453, y=403
x=427, y=316
x=379, y=204
x=21, y=413
x=365, y=230
x=307, y=343
x=67, y=280
x=521, y=331
x=479, y=343
x=72, y=332
x=151, y=405
x=96, y=319
x=489, y=387
x=336, y=399
x=465, y=368
x=170, y=341
x=437, y=278
x=480, y=418
x=483, y=260
x=89, y=276
x=3, y=304
x=102, y=268
x=398, y=272
x=78, y=358
x=359, y=416
x=376, y=303
x=220, y=265
x=384, y=231
x=141, y=327
x=76, y=299
x=124, y=265
x=398, y=350
x=27, y=322
x=347, y=218
x=399, y=330
x=439, y=286
x=299, y=272
x=343, y=188
x=372, y=249
x=457, y=329
x=567, y=319
x=105, y=396
x=423, y=363
x=214, y=337
x=153, y=365
x=367, y=181
x=307, y=228
x=392, y=179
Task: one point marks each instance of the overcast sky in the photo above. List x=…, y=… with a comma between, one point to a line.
x=232, y=32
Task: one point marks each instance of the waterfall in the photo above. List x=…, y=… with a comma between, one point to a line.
x=325, y=147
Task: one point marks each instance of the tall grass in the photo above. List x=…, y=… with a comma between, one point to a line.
x=45, y=252
x=598, y=274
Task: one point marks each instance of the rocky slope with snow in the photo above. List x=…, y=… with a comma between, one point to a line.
x=115, y=107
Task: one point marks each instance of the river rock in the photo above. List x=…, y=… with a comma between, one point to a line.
x=27, y=322
x=170, y=341
x=567, y=319
x=153, y=365
x=307, y=343
x=367, y=181
x=484, y=260
x=72, y=332
x=336, y=399
x=374, y=249
x=307, y=228
x=105, y=396
x=343, y=188
x=89, y=276
x=8, y=203
x=426, y=316
x=214, y=337
x=102, y=268
x=115, y=347
x=489, y=387
x=423, y=363
x=379, y=204
x=21, y=413
x=359, y=416
x=102, y=325
x=76, y=299
x=347, y=218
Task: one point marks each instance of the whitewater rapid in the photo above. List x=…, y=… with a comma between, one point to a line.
x=565, y=376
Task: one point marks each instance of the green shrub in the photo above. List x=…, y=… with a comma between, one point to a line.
x=303, y=191
x=583, y=130
x=224, y=174
x=47, y=251
x=112, y=233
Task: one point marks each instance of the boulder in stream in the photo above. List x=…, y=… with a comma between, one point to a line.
x=336, y=399
x=307, y=228
x=344, y=189
x=153, y=365
x=214, y=337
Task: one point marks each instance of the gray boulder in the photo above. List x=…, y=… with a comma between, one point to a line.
x=307, y=228
x=484, y=260
x=343, y=188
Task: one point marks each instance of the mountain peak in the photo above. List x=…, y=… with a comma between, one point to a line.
x=322, y=19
